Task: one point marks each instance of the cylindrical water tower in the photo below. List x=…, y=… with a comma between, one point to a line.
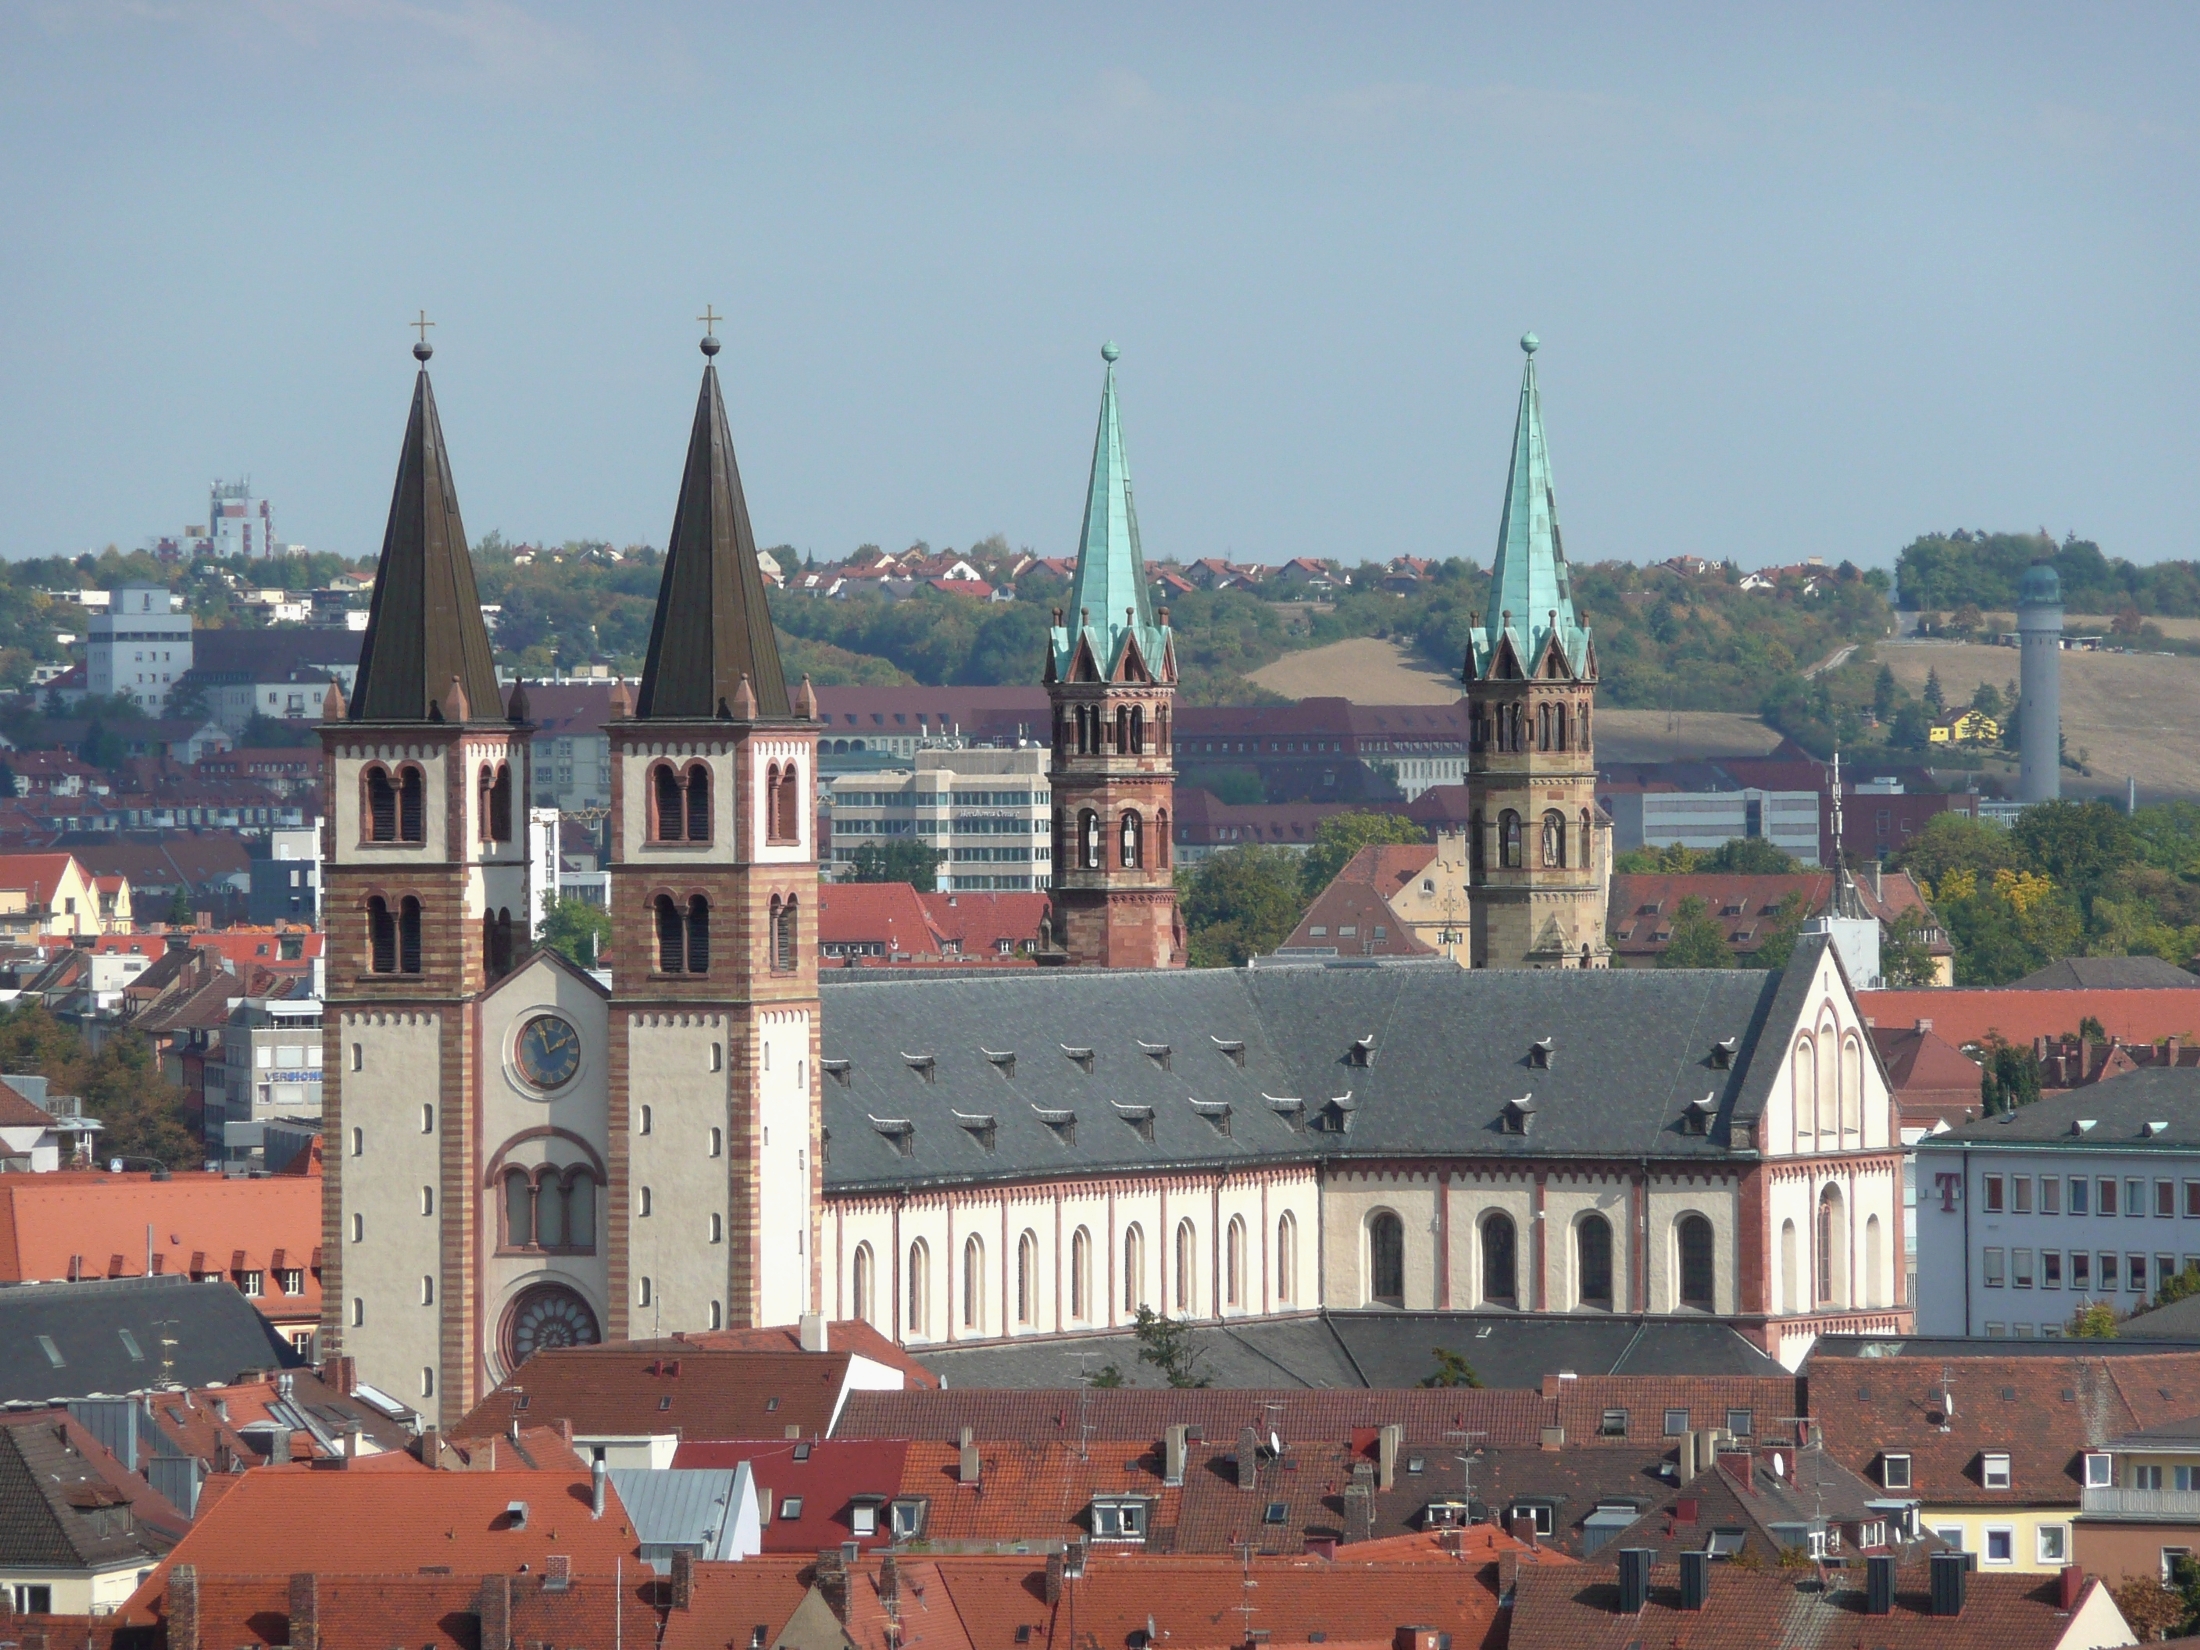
x=2039, y=700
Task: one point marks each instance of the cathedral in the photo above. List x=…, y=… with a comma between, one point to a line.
x=520, y=1157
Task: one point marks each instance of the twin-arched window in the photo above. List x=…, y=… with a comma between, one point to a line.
x=393, y=936
x=683, y=935
x=782, y=803
x=394, y=807
x=550, y=1209
x=496, y=942
x=495, y=801
x=679, y=803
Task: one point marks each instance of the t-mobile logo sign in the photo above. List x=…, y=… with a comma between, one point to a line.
x=1948, y=1184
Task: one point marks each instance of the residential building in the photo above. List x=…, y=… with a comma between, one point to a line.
x=1206, y=826
x=141, y=646
x=71, y=1340
x=2140, y=1508
x=2088, y=1196
x=986, y=814
x=260, y=1237
x=81, y=1529
x=1647, y=817
x=272, y=1049
x=36, y=1140
x=1396, y=899
x=286, y=880
x=1972, y=1016
x=1750, y=909
x=1991, y=1443
x=56, y=894
x=1966, y=727
x=282, y=674
x=571, y=769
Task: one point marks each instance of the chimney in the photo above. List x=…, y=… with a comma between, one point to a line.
x=966, y=1463
x=1054, y=1579
x=1695, y=1579
x=599, y=1475
x=683, y=1579
x=1248, y=1458
x=889, y=1580
x=832, y=1583
x=305, y=1613
x=495, y=1610
x=1879, y=1584
x=2072, y=1584
x=1948, y=1572
x=1172, y=1455
x=1634, y=1580
x=1554, y=1438
x=1739, y=1465
x=183, y=1609
x=811, y=1329
x=1687, y=1457
x=1522, y=1530
x=1386, y=1454
x=351, y=1443
x=342, y=1374
x=1508, y=1573
x=1417, y=1638
x=430, y=1444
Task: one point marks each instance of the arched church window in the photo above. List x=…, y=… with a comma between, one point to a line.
x=1588, y=851
x=379, y=808
x=1162, y=853
x=698, y=935
x=1122, y=730
x=784, y=936
x=408, y=936
x=1698, y=1266
x=1386, y=1259
x=1554, y=838
x=1543, y=727
x=1134, y=1269
x=671, y=809
x=973, y=1283
x=1138, y=730
x=790, y=805
x=920, y=1289
x=381, y=936
x=671, y=939
x=698, y=803
x=1477, y=855
x=1500, y=1261
x=1088, y=840
x=412, y=806
x=1187, y=1262
x=1131, y=834
x=1593, y=1261
x=496, y=943
x=1508, y=840
x=519, y=1209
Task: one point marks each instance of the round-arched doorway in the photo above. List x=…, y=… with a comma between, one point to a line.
x=546, y=1316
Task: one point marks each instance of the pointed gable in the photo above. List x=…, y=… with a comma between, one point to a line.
x=714, y=624
x=1531, y=588
x=425, y=626
x=1109, y=603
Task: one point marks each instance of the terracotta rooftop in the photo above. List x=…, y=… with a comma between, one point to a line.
x=1968, y=1015
x=841, y=1335
x=623, y=1392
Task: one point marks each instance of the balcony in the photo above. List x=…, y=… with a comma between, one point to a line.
x=2158, y=1506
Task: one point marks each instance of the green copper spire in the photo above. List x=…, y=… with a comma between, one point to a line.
x=1109, y=608
x=1531, y=591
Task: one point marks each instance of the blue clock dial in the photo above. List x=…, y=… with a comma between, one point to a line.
x=549, y=1051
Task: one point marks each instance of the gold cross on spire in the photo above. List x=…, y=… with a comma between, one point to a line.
x=710, y=318
x=423, y=324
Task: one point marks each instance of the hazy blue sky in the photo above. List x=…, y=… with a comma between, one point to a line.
x=1809, y=280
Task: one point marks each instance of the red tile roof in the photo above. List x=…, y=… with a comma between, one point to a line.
x=1934, y=1081
x=876, y=913
x=841, y=1335
x=1970, y=1014
x=1558, y=1609
x=975, y=925
x=95, y=1224
x=1358, y=898
x=826, y=1476
x=622, y=1391
x=1136, y=1415
x=18, y=1113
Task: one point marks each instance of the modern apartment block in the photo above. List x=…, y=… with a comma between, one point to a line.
x=984, y=813
x=1711, y=819
x=140, y=646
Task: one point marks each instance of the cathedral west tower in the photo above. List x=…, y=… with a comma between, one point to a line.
x=1111, y=678
x=1538, y=865
x=713, y=1124
x=425, y=874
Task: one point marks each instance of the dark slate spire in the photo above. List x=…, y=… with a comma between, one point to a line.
x=713, y=631
x=425, y=629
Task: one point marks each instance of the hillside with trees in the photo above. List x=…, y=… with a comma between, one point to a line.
x=1946, y=572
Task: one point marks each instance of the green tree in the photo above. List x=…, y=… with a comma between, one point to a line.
x=1698, y=940
x=1785, y=931
x=1911, y=729
x=1936, y=698
x=1671, y=860
x=1167, y=1345
x=1986, y=700
x=1957, y=842
x=1241, y=903
x=2178, y=1285
x=2010, y=1078
x=2095, y=1321
x=576, y=930
x=903, y=860
x=180, y=914
x=1905, y=956
x=1886, y=695
x=1343, y=835
x=1452, y=1369
x=1107, y=1375
x=141, y=1112
x=2079, y=844
x=1751, y=856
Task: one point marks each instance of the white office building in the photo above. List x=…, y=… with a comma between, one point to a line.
x=2093, y=1195
x=140, y=646
x=1711, y=819
x=986, y=814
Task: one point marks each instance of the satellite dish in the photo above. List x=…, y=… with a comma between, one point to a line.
x=1275, y=1445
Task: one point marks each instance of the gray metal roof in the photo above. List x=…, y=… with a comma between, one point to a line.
x=2123, y=1114
x=689, y=1507
x=129, y=1335
x=1066, y=1071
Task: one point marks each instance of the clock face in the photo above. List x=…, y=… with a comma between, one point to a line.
x=547, y=1316
x=549, y=1051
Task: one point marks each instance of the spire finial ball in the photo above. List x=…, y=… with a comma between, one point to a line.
x=1528, y=342
x=709, y=345
x=422, y=350
x=1109, y=353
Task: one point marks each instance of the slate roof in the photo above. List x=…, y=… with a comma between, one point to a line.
x=1812, y=1491
x=1579, y=1610
x=1377, y=1348
x=67, y=1504
x=194, y=1334
x=2121, y=1110
x=1310, y=1061
x=2108, y=974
